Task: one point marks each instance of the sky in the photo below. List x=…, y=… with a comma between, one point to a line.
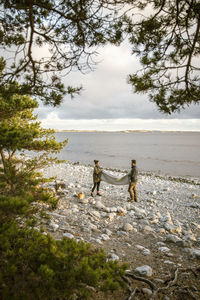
x=107, y=102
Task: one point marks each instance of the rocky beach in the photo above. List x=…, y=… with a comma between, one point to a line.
x=156, y=235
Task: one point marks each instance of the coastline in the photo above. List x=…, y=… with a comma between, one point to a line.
x=184, y=179
x=161, y=231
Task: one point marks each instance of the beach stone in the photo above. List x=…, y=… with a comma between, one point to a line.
x=106, y=209
x=92, y=227
x=147, y=228
x=160, y=244
x=96, y=214
x=172, y=228
x=171, y=238
x=163, y=249
x=107, y=231
x=139, y=247
x=111, y=216
x=144, y=270
x=68, y=235
x=146, y=252
x=183, y=244
x=169, y=262
x=113, y=209
x=140, y=213
x=194, y=252
x=127, y=227
x=166, y=218
x=105, y=237
x=53, y=226
x=113, y=257
x=83, y=201
x=121, y=210
x=190, y=237
x=99, y=205
x=121, y=232
x=147, y=291
x=144, y=222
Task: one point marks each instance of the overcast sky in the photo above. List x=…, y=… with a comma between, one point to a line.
x=108, y=103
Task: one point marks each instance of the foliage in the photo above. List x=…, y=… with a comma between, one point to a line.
x=166, y=38
x=35, y=266
x=20, y=131
x=48, y=37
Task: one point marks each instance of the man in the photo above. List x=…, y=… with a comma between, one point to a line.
x=96, y=178
x=133, y=179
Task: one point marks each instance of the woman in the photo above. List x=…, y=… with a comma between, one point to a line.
x=96, y=177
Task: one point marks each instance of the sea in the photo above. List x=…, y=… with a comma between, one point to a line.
x=162, y=153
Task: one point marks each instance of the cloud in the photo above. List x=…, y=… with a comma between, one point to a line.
x=106, y=94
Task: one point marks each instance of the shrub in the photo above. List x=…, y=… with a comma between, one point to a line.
x=35, y=266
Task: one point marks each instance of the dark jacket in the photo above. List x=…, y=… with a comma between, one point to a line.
x=97, y=174
x=133, y=174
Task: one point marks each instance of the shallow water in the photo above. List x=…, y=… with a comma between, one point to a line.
x=172, y=153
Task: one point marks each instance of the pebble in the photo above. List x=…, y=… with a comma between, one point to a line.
x=113, y=257
x=127, y=227
x=144, y=270
x=68, y=235
x=147, y=291
x=112, y=217
x=164, y=249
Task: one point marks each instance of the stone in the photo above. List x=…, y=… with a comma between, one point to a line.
x=105, y=237
x=83, y=201
x=106, y=209
x=113, y=209
x=92, y=227
x=144, y=270
x=169, y=262
x=163, y=249
x=146, y=252
x=107, y=231
x=171, y=238
x=139, y=247
x=68, y=235
x=160, y=244
x=53, y=226
x=99, y=205
x=183, y=244
x=147, y=228
x=96, y=214
x=111, y=216
x=113, y=257
x=147, y=291
x=195, y=252
x=166, y=218
x=190, y=237
x=127, y=227
x=121, y=210
x=121, y=232
x=172, y=228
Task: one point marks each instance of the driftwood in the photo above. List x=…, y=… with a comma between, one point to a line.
x=171, y=283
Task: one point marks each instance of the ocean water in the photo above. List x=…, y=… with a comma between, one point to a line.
x=167, y=153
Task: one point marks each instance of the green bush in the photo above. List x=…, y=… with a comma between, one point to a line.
x=35, y=266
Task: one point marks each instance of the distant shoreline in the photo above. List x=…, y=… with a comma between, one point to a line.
x=122, y=131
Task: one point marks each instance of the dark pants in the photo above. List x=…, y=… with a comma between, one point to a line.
x=132, y=190
x=96, y=184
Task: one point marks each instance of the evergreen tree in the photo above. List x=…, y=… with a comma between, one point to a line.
x=20, y=131
x=166, y=37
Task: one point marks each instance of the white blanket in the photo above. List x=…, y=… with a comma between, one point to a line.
x=115, y=180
